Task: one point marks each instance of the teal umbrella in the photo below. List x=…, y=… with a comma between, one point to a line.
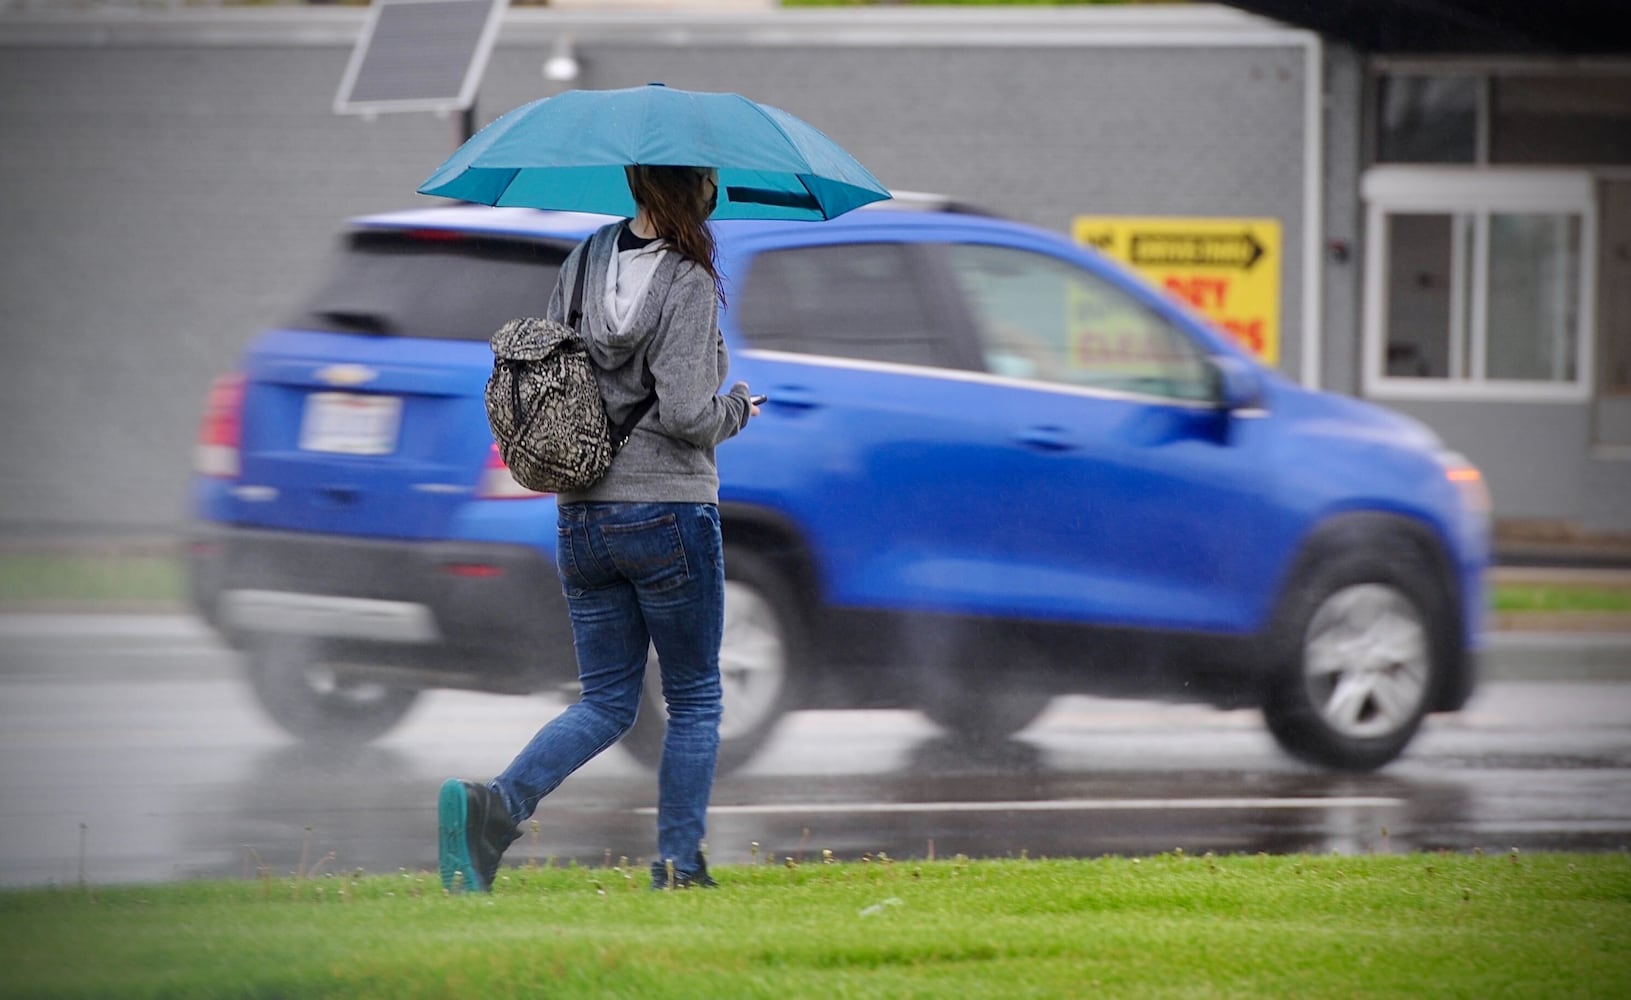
x=568, y=152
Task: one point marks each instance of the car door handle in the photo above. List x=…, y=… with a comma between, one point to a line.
x=793, y=397
x=1046, y=439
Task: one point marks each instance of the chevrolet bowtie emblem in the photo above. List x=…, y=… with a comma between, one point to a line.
x=346, y=375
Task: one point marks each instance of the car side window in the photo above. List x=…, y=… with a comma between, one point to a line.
x=1042, y=318
x=853, y=300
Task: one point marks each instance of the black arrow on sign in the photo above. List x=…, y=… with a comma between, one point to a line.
x=1196, y=249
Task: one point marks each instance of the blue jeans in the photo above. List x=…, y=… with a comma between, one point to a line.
x=638, y=573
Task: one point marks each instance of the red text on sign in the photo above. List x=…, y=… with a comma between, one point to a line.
x=1247, y=332
x=1201, y=292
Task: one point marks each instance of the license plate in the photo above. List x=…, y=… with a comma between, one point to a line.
x=349, y=423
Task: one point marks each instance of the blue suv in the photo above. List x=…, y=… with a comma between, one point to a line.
x=995, y=467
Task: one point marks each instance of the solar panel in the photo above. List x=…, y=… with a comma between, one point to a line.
x=420, y=55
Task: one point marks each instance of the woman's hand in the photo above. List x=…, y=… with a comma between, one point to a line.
x=740, y=389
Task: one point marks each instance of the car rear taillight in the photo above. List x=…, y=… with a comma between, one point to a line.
x=221, y=430
x=497, y=483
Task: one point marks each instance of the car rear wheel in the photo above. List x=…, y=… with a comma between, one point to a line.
x=311, y=701
x=973, y=715
x=1361, y=660
x=976, y=690
x=759, y=666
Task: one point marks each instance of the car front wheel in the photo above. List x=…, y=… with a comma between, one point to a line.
x=1360, y=664
x=311, y=701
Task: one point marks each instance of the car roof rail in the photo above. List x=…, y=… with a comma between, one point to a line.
x=927, y=201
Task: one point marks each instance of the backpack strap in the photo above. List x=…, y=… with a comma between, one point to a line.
x=620, y=433
x=575, y=311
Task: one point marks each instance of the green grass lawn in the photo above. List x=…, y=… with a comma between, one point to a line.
x=1169, y=926
x=1553, y=598
x=91, y=576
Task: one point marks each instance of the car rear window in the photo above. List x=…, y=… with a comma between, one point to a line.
x=432, y=284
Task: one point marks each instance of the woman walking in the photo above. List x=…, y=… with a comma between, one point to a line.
x=639, y=553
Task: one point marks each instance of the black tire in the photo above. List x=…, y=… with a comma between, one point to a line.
x=307, y=699
x=977, y=692
x=988, y=716
x=761, y=666
x=1359, y=645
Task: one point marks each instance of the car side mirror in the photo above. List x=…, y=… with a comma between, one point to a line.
x=1236, y=384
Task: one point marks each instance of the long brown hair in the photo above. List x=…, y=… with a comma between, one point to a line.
x=672, y=198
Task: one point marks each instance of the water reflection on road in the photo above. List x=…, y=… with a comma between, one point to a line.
x=174, y=774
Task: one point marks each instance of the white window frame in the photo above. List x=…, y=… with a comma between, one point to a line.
x=1479, y=192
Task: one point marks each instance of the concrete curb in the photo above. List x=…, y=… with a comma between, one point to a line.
x=1557, y=656
x=1585, y=576
x=1587, y=622
x=113, y=626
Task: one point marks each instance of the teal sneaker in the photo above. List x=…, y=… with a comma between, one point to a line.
x=473, y=830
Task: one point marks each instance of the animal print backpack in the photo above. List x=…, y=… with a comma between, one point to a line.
x=544, y=404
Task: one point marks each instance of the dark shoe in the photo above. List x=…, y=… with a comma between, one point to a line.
x=699, y=879
x=473, y=829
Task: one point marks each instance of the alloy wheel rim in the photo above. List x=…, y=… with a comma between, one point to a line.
x=752, y=661
x=326, y=683
x=1366, y=661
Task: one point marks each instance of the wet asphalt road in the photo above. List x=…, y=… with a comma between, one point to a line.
x=132, y=752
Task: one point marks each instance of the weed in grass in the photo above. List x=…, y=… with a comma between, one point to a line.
x=83, y=829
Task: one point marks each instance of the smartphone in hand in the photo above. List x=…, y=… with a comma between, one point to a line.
x=758, y=400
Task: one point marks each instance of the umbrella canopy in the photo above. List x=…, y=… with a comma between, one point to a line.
x=568, y=152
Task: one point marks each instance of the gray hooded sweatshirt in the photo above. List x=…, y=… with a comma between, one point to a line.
x=664, y=337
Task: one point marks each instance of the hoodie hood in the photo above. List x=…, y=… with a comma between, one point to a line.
x=621, y=310
x=628, y=279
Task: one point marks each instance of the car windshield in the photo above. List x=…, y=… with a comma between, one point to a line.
x=432, y=284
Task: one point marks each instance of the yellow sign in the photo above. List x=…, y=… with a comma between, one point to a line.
x=1228, y=269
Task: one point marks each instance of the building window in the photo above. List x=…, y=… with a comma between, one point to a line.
x=1420, y=326
x=1424, y=118
x=1479, y=283
x=1541, y=118
x=1532, y=323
